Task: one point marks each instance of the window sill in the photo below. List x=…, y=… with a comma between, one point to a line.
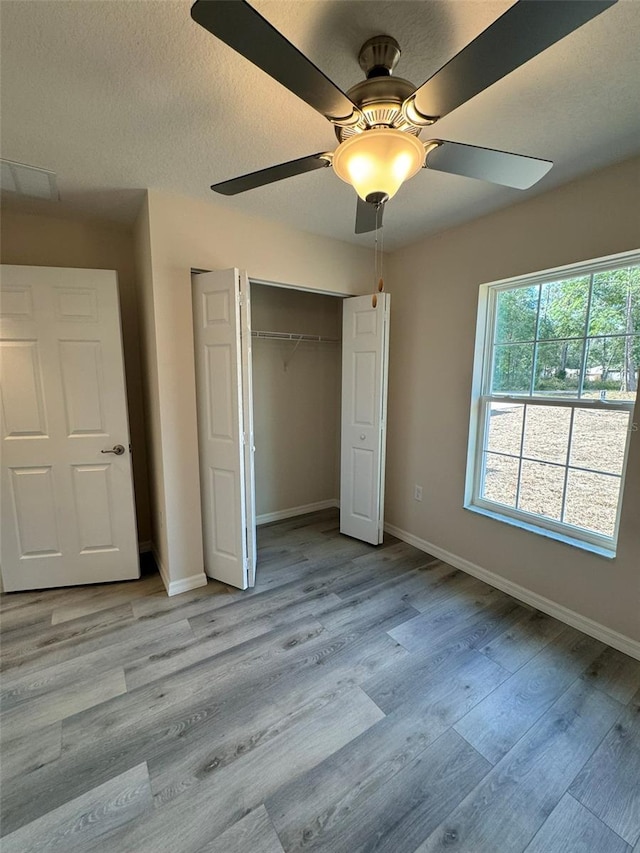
x=600, y=551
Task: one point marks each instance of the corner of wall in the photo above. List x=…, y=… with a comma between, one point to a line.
x=182, y=584
x=148, y=356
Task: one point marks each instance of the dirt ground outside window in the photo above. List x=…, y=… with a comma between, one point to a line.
x=598, y=444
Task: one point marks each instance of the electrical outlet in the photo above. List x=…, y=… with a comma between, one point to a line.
x=417, y=493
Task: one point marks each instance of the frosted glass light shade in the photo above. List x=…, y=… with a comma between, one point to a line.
x=378, y=160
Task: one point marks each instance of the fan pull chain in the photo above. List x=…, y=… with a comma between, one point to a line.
x=378, y=256
x=381, y=279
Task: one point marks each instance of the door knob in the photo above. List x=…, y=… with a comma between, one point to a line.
x=118, y=449
x=362, y=437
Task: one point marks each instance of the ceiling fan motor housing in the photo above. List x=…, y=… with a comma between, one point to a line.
x=380, y=97
x=380, y=100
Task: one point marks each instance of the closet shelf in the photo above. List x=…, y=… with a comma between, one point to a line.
x=293, y=336
x=296, y=338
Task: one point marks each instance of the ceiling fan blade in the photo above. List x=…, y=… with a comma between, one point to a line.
x=269, y=176
x=368, y=216
x=238, y=24
x=522, y=32
x=487, y=164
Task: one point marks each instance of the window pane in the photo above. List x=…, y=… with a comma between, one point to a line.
x=504, y=430
x=612, y=368
x=592, y=501
x=558, y=367
x=541, y=488
x=512, y=368
x=615, y=302
x=557, y=348
x=516, y=314
x=563, y=308
x=599, y=439
x=546, y=433
x=500, y=479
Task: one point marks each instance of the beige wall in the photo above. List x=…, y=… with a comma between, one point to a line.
x=183, y=233
x=435, y=295
x=49, y=241
x=297, y=410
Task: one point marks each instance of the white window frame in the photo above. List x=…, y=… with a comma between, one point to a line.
x=482, y=397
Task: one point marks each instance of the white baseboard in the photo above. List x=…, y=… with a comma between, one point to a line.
x=145, y=547
x=185, y=584
x=281, y=514
x=181, y=585
x=619, y=641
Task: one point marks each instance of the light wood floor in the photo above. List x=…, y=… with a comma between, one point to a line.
x=359, y=699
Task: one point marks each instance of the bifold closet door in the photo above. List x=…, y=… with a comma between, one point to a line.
x=222, y=338
x=365, y=359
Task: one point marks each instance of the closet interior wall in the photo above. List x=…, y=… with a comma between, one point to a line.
x=296, y=393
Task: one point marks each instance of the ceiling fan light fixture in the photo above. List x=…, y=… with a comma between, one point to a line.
x=378, y=161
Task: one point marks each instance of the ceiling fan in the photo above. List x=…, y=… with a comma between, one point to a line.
x=378, y=121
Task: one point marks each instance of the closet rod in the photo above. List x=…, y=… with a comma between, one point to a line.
x=293, y=336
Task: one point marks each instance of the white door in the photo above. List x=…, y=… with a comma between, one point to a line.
x=225, y=431
x=67, y=501
x=248, y=438
x=365, y=358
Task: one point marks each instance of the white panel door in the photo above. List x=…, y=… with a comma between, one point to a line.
x=365, y=357
x=248, y=438
x=68, y=512
x=225, y=436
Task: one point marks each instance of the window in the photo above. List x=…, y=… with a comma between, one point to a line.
x=555, y=380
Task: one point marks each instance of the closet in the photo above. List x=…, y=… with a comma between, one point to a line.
x=291, y=389
x=296, y=360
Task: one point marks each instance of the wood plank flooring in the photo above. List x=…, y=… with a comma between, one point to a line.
x=358, y=700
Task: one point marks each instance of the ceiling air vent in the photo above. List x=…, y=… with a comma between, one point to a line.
x=28, y=180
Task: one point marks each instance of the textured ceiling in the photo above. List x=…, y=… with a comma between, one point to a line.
x=118, y=96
